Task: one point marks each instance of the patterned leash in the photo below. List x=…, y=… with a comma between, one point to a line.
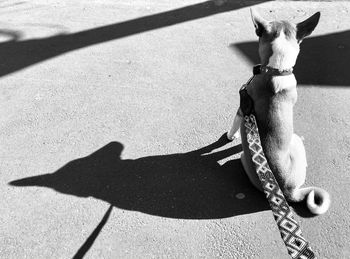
x=289, y=229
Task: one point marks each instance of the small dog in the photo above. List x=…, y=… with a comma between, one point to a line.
x=274, y=95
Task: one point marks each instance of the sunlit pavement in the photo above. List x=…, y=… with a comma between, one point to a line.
x=111, y=114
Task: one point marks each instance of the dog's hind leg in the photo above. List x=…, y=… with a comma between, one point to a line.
x=298, y=162
x=317, y=199
x=233, y=133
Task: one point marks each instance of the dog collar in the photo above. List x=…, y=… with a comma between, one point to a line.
x=260, y=69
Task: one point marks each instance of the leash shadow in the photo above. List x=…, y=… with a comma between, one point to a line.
x=91, y=239
x=323, y=60
x=188, y=185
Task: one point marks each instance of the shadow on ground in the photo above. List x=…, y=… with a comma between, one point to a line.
x=189, y=186
x=16, y=54
x=91, y=239
x=323, y=60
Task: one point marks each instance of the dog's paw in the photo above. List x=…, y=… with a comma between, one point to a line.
x=229, y=137
x=232, y=137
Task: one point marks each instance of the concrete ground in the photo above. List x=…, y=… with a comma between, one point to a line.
x=111, y=114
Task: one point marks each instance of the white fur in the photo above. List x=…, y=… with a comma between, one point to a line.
x=283, y=82
x=233, y=133
x=284, y=53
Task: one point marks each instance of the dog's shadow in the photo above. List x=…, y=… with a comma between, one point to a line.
x=189, y=185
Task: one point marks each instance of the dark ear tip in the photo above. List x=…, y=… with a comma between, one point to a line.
x=318, y=15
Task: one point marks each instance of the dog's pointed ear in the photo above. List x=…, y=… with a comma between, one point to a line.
x=260, y=23
x=306, y=27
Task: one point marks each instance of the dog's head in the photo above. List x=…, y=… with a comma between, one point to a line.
x=279, y=40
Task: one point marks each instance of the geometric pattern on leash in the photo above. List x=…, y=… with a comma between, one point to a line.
x=289, y=229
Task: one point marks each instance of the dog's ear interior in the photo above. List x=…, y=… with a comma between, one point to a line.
x=260, y=23
x=306, y=27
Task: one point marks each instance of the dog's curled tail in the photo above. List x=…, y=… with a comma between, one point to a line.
x=318, y=200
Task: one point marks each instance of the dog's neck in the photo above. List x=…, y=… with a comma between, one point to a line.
x=269, y=73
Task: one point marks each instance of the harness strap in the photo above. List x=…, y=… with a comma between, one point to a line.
x=289, y=229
